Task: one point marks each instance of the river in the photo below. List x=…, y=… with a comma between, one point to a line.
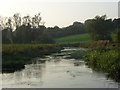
x=57, y=71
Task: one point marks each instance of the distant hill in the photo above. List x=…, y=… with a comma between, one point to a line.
x=75, y=28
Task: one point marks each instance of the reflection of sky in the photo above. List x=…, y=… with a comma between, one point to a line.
x=30, y=76
x=57, y=72
x=59, y=13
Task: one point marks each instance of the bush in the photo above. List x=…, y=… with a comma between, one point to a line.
x=14, y=56
x=78, y=54
x=106, y=61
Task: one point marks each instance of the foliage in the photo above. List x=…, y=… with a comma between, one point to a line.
x=107, y=60
x=46, y=39
x=113, y=35
x=56, y=32
x=79, y=54
x=14, y=49
x=23, y=30
x=14, y=56
x=27, y=29
x=118, y=36
x=100, y=28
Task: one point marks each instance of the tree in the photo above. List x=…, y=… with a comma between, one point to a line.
x=118, y=36
x=17, y=20
x=10, y=24
x=100, y=28
x=117, y=29
x=27, y=20
x=46, y=39
x=23, y=34
x=3, y=22
x=7, y=36
x=36, y=20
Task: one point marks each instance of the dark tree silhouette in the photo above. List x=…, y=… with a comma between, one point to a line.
x=100, y=28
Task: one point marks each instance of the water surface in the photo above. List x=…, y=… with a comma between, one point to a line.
x=57, y=71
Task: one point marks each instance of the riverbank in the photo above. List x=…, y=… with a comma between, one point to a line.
x=15, y=56
x=107, y=61
x=57, y=71
x=103, y=59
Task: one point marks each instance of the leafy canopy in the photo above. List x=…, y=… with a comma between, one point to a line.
x=100, y=28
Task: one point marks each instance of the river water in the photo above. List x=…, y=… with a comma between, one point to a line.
x=57, y=71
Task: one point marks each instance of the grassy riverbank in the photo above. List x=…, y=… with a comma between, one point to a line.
x=107, y=60
x=78, y=54
x=15, y=56
x=103, y=59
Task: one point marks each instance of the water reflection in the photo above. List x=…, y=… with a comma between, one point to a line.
x=56, y=71
x=30, y=76
x=34, y=70
x=79, y=63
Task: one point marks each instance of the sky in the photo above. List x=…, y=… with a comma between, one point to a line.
x=60, y=12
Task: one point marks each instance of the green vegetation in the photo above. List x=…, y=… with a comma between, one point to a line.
x=81, y=38
x=79, y=54
x=102, y=59
x=14, y=56
x=30, y=29
x=106, y=61
x=26, y=38
x=113, y=35
x=104, y=55
x=100, y=28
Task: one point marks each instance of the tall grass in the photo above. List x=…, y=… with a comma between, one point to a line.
x=15, y=56
x=105, y=60
x=79, y=54
x=102, y=58
x=14, y=48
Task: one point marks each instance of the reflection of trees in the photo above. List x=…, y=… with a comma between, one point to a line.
x=38, y=61
x=32, y=71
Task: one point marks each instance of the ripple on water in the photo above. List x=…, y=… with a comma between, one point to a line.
x=57, y=70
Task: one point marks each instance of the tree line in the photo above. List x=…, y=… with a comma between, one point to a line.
x=100, y=28
x=56, y=32
x=27, y=29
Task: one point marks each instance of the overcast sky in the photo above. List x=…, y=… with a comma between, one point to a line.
x=60, y=12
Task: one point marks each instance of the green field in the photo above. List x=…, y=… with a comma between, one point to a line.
x=81, y=38
x=113, y=36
